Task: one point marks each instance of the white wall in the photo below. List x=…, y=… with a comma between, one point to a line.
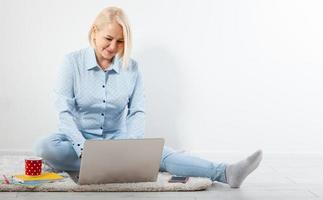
x=221, y=76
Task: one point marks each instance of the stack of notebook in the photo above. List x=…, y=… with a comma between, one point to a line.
x=36, y=180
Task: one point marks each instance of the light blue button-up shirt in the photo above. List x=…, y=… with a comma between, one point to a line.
x=99, y=102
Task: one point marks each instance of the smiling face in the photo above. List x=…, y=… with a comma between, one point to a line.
x=108, y=41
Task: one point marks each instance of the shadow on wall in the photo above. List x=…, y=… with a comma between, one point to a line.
x=162, y=94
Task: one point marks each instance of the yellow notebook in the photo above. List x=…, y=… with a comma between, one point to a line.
x=47, y=176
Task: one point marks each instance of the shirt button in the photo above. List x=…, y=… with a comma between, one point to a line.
x=103, y=101
x=101, y=127
x=103, y=86
x=102, y=114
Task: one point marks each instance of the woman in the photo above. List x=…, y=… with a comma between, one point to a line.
x=100, y=95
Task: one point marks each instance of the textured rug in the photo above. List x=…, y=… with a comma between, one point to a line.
x=14, y=164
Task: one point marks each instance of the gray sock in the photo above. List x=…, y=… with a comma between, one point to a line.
x=237, y=172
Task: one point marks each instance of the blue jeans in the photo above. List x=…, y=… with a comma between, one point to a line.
x=57, y=151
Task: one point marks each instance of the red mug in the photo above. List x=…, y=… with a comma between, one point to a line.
x=33, y=166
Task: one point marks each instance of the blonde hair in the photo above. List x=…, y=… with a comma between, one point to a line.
x=109, y=15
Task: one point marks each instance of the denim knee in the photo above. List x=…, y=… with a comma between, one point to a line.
x=40, y=147
x=49, y=148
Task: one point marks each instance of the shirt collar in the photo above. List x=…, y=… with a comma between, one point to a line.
x=91, y=63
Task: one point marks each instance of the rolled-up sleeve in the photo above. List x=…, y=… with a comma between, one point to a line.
x=64, y=101
x=135, y=120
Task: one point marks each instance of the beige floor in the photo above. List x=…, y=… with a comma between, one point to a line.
x=279, y=177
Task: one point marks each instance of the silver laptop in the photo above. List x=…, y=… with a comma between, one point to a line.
x=120, y=161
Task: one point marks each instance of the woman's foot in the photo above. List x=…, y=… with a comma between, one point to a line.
x=236, y=173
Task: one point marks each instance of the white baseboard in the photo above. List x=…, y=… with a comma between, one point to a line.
x=233, y=156
x=16, y=152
